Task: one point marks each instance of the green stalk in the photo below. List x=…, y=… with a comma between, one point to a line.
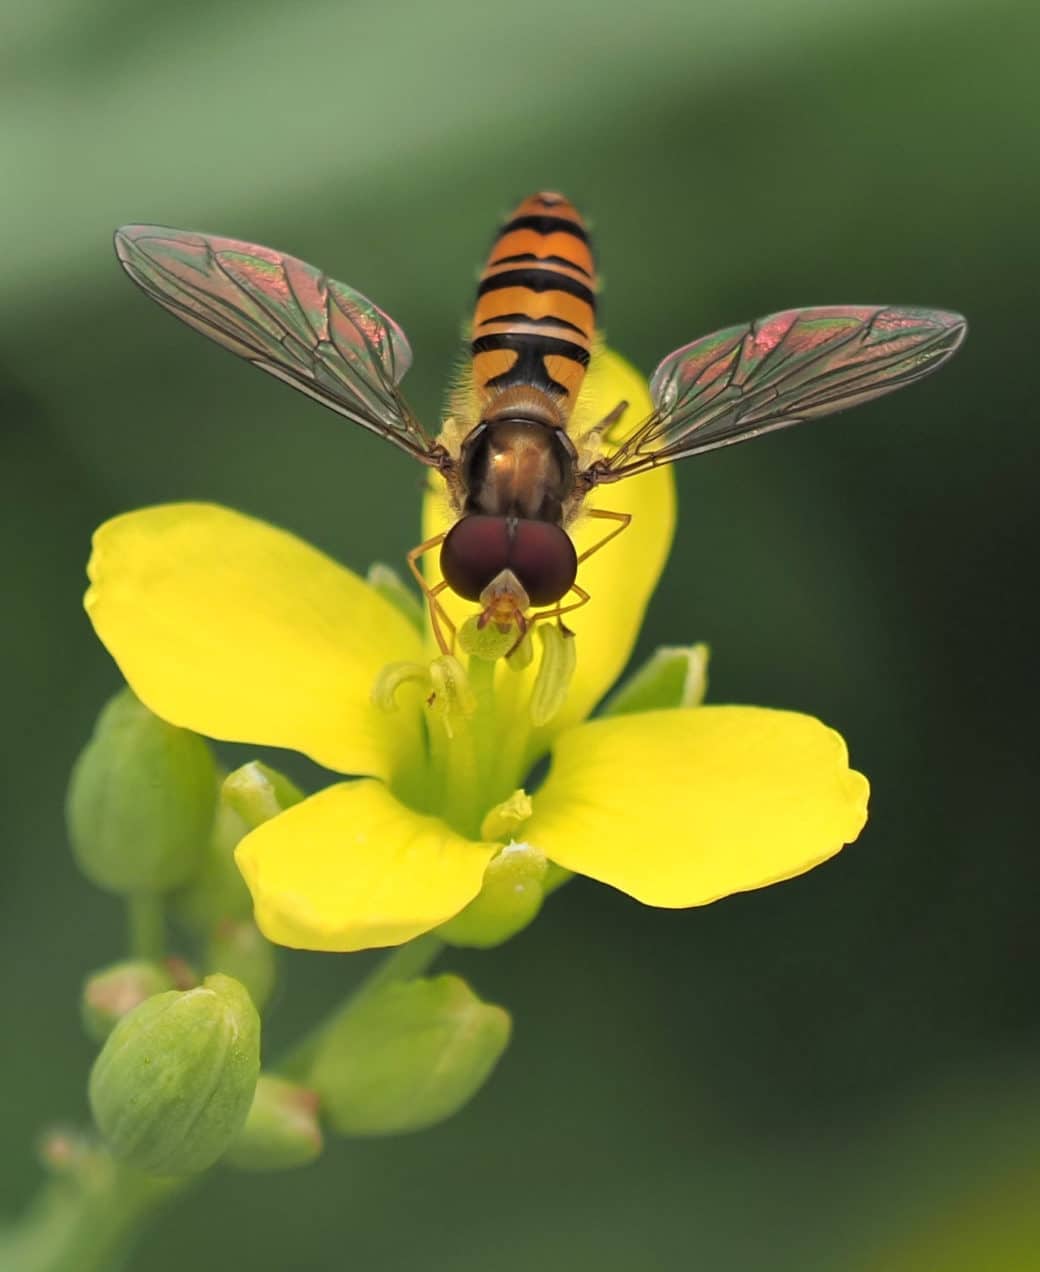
x=86, y=1218
x=146, y=926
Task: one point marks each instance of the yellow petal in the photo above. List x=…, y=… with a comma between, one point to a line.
x=228, y=626
x=352, y=868
x=679, y=808
x=622, y=575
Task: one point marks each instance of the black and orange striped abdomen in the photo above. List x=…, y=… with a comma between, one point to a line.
x=536, y=305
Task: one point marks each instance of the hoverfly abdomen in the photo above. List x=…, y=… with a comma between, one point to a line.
x=536, y=304
x=479, y=548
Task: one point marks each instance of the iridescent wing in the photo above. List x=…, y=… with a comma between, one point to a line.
x=748, y=380
x=287, y=318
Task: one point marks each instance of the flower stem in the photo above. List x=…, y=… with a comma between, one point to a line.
x=146, y=926
x=85, y=1218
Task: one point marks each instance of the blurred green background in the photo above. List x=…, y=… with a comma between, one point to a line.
x=836, y=1073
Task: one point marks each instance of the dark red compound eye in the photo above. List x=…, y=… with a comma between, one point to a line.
x=475, y=551
x=478, y=548
x=544, y=560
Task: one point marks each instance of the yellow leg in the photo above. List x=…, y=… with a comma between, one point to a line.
x=557, y=610
x=623, y=518
x=437, y=610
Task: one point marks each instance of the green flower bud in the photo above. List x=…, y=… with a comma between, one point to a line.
x=237, y=949
x=555, y=877
x=406, y=1055
x=140, y=801
x=391, y=587
x=673, y=676
x=282, y=1128
x=218, y=890
x=507, y=818
x=175, y=1080
x=258, y=792
x=63, y=1150
x=508, y=901
x=113, y=991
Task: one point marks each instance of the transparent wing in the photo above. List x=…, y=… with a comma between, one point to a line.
x=744, y=381
x=285, y=317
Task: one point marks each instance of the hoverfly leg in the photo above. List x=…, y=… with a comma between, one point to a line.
x=592, y=437
x=623, y=518
x=437, y=610
x=523, y=625
x=557, y=610
x=439, y=614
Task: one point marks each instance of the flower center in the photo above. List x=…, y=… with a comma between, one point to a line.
x=483, y=721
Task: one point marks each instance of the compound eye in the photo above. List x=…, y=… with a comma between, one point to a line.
x=475, y=551
x=544, y=560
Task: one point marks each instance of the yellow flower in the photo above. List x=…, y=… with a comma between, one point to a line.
x=240, y=631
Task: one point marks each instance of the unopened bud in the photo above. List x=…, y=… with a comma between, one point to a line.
x=282, y=1128
x=237, y=949
x=407, y=1055
x=509, y=899
x=113, y=991
x=175, y=1080
x=673, y=676
x=505, y=819
x=141, y=800
x=258, y=792
x=218, y=890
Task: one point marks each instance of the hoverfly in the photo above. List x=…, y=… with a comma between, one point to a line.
x=516, y=474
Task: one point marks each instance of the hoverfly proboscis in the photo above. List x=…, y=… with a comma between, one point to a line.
x=515, y=475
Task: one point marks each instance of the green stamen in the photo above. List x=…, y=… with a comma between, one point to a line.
x=392, y=677
x=559, y=659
